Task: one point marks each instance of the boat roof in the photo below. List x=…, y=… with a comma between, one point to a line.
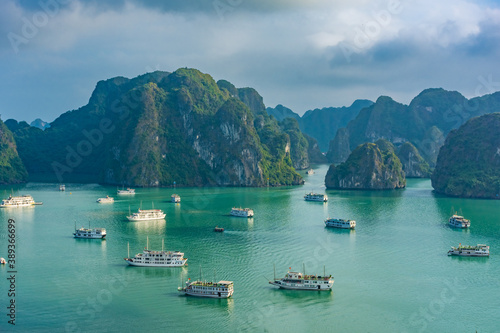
x=225, y=282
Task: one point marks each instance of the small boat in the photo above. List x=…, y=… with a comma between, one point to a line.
x=315, y=197
x=221, y=289
x=2, y=261
x=161, y=258
x=96, y=233
x=242, y=212
x=175, y=198
x=480, y=250
x=147, y=214
x=62, y=187
x=217, y=229
x=22, y=201
x=128, y=191
x=458, y=221
x=299, y=281
x=107, y=199
x=340, y=223
x=310, y=172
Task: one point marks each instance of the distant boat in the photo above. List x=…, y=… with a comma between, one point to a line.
x=107, y=199
x=175, y=198
x=310, y=172
x=242, y=212
x=62, y=187
x=299, y=281
x=96, y=233
x=161, y=258
x=217, y=229
x=147, y=214
x=458, y=221
x=2, y=261
x=315, y=197
x=127, y=191
x=480, y=250
x=221, y=289
x=340, y=223
x=22, y=201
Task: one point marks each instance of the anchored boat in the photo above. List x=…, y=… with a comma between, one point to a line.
x=242, y=212
x=299, y=281
x=480, y=250
x=22, y=201
x=175, y=198
x=161, y=258
x=340, y=223
x=127, y=191
x=96, y=233
x=458, y=221
x=315, y=197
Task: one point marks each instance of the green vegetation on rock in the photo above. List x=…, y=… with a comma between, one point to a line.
x=468, y=164
x=160, y=128
x=372, y=166
x=12, y=169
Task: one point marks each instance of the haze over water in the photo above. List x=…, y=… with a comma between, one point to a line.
x=391, y=274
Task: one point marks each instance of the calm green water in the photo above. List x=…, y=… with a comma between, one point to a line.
x=392, y=273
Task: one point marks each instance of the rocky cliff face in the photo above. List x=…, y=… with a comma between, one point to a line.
x=424, y=123
x=468, y=164
x=12, y=169
x=322, y=124
x=414, y=165
x=369, y=167
x=161, y=128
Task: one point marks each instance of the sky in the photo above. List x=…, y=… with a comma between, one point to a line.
x=301, y=54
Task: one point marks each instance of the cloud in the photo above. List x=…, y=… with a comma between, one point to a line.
x=290, y=51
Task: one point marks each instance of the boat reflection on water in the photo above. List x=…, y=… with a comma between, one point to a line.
x=151, y=226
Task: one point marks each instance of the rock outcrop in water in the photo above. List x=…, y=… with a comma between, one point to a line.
x=468, y=164
x=160, y=128
x=371, y=166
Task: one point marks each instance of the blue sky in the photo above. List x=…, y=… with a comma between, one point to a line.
x=303, y=55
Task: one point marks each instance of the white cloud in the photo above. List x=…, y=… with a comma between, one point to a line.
x=289, y=51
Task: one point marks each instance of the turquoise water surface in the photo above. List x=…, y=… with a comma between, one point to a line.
x=392, y=273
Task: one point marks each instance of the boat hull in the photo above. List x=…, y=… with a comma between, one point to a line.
x=145, y=219
x=222, y=294
x=303, y=287
x=90, y=237
x=140, y=264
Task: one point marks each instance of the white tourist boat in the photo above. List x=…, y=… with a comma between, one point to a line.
x=316, y=197
x=299, y=281
x=107, y=199
x=242, y=212
x=96, y=233
x=22, y=201
x=458, y=221
x=127, y=191
x=310, y=172
x=62, y=187
x=161, y=258
x=480, y=250
x=340, y=223
x=221, y=289
x=147, y=214
x=2, y=261
x=175, y=198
